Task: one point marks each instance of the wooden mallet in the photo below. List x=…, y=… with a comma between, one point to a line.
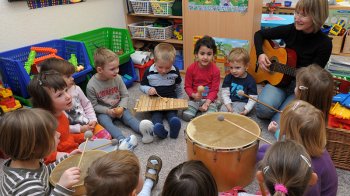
x=87, y=135
x=222, y=118
x=113, y=142
x=241, y=93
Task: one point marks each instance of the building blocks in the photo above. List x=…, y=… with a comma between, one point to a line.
x=7, y=101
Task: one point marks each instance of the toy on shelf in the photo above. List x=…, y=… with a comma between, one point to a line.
x=74, y=61
x=7, y=101
x=338, y=29
x=178, y=30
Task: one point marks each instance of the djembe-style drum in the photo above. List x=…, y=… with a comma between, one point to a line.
x=88, y=158
x=227, y=151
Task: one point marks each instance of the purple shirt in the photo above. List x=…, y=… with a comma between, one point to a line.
x=327, y=183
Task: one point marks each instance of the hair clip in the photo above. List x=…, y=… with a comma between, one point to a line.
x=295, y=105
x=281, y=188
x=40, y=82
x=306, y=160
x=303, y=88
x=266, y=169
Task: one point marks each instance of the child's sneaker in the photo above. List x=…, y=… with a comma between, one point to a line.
x=160, y=131
x=175, y=126
x=128, y=143
x=146, y=129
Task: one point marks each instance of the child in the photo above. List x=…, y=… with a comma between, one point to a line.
x=238, y=80
x=204, y=73
x=82, y=116
x=285, y=170
x=118, y=173
x=107, y=91
x=27, y=136
x=302, y=122
x=190, y=178
x=163, y=79
x=48, y=91
x=315, y=86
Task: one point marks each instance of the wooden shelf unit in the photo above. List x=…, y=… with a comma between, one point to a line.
x=171, y=41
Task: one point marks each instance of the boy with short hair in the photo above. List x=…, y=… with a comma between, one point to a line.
x=163, y=79
x=238, y=80
x=109, y=97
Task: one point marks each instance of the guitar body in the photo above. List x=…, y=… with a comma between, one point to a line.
x=280, y=56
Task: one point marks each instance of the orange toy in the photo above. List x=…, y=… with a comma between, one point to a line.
x=44, y=49
x=42, y=58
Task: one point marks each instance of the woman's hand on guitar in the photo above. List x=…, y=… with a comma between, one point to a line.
x=264, y=62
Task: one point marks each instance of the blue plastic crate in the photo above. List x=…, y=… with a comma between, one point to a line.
x=127, y=71
x=12, y=63
x=179, y=62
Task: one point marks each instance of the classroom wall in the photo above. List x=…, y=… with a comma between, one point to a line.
x=21, y=26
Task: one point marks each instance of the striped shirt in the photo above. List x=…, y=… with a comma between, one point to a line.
x=20, y=181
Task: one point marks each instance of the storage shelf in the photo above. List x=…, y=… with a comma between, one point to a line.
x=171, y=41
x=155, y=16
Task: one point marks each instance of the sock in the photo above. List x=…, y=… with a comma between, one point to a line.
x=160, y=131
x=148, y=184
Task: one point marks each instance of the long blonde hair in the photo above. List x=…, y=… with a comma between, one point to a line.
x=302, y=122
x=316, y=9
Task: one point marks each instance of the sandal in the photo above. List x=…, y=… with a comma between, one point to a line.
x=156, y=167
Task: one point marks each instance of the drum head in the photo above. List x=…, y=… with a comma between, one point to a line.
x=96, y=143
x=207, y=131
x=88, y=158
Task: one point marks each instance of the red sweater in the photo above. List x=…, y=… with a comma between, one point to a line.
x=68, y=141
x=209, y=77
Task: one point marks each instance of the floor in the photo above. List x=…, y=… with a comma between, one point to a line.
x=174, y=151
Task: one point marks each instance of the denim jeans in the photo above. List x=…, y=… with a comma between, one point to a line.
x=129, y=120
x=275, y=97
x=157, y=117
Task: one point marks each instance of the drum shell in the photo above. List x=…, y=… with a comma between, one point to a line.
x=72, y=161
x=232, y=162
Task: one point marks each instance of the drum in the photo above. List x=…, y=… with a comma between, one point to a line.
x=98, y=144
x=227, y=151
x=88, y=158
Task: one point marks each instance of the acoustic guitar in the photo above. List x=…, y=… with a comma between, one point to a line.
x=282, y=69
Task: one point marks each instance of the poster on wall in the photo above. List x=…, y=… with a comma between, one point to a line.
x=33, y=4
x=336, y=15
x=219, y=5
x=224, y=47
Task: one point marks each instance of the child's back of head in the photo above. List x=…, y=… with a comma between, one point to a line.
x=103, y=56
x=190, y=178
x=28, y=134
x=61, y=66
x=116, y=173
x=40, y=85
x=315, y=85
x=304, y=123
x=286, y=169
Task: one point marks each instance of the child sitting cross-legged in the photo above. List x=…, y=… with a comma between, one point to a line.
x=118, y=173
x=109, y=97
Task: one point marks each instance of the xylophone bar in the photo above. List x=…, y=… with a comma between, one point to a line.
x=148, y=103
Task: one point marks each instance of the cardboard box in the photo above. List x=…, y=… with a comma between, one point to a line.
x=337, y=42
x=346, y=47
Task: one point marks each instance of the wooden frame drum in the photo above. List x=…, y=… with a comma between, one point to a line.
x=88, y=158
x=227, y=151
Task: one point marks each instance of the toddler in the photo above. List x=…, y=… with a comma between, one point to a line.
x=163, y=79
x=238, y=80
x=204, y=73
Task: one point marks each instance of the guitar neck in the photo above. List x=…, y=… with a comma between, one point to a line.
x=281, y=68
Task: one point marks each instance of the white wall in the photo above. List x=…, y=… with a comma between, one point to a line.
x=21, y=26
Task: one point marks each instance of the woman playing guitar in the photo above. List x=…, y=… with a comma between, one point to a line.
x=306, y=39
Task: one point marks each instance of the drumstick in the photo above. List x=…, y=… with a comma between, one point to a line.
x=222, y=118
x=241, y=93
x=87, y=135
x=165, y=99
x=113, y=142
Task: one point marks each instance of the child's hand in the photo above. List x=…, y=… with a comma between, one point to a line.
x=111, y=113
x=70, y=177
x=197, y=96
x=118, y=111
x=92, y=125
x=74, y=152
x=229, y=107
x=204, y=107
x=244, y=112
x=273, y=126
x=152, y=91
x=84, y=128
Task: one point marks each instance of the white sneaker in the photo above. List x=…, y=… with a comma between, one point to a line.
x=146, y=129
x=128, y=143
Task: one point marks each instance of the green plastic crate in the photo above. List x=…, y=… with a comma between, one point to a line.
x=111, y=38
